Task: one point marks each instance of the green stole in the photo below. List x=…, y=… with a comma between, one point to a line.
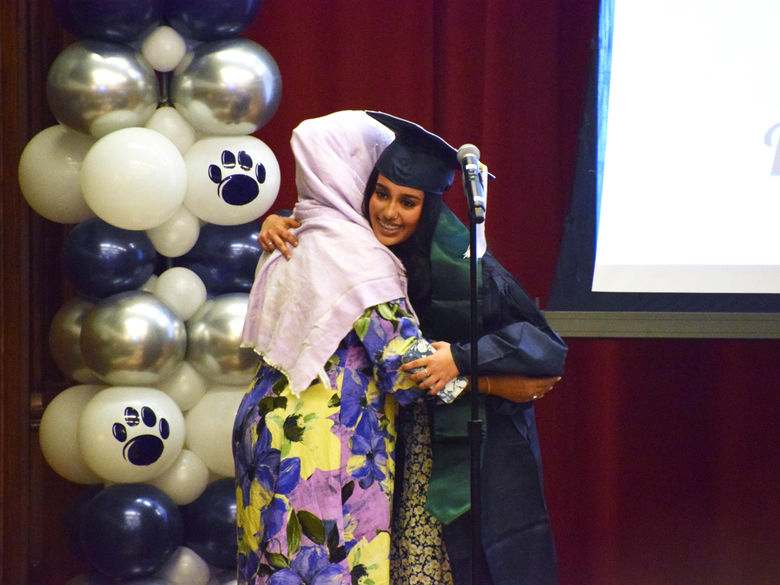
x=449, y=319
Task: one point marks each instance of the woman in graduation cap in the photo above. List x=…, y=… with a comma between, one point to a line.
x=404, y=206
x=314, y=437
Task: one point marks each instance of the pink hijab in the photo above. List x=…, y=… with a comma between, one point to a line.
x=300, y=310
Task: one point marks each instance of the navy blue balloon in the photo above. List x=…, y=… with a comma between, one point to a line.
x=72, y=519
x=118, y=21
x=129, y=530
x=210, y=524
x=101, y=259
x=63, y=17
x=225, y=257
x=210, y=20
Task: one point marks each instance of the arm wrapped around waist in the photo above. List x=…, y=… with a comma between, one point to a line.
x=516, y=388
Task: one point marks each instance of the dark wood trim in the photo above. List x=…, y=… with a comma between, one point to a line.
x=33, y=547
x=14, y=306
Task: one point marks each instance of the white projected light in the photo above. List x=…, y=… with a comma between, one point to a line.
x=690, y=197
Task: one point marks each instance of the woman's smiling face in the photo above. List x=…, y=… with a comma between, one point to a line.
x=394, y=211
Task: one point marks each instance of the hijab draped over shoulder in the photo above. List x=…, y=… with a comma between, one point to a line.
x=300, y=310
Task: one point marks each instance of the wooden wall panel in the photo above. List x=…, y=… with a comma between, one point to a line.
x=33, y=548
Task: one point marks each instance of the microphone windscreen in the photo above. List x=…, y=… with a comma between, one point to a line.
x=467, y=150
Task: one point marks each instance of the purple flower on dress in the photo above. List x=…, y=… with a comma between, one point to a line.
x=353, y=398
x=387, y=371
x=273, y=515
x=378, y=333
x=408, y=328
x=369, y=451
x=355, y=357
x=258, y=462
x=356, y=399
x=248, y=565
x=309, y=567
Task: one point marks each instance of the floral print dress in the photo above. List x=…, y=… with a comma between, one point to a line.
x=315, y=474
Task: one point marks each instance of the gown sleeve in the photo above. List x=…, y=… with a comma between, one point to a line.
x=518, y=339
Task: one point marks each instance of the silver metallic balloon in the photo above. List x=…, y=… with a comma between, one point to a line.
x=227, y=87
x=214, y=339
x=64, y=334
x=97, y=87
x=132, y=339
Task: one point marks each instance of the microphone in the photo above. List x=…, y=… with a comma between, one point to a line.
x=468, y=157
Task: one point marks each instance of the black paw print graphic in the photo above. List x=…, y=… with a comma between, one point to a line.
x=142, y=449
x=240, y=186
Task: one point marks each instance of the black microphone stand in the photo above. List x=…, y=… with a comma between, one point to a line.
x=476, y=216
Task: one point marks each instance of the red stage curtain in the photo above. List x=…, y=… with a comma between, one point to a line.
x=506, y=75
x=660, y=455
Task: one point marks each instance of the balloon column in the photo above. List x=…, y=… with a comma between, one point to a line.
x=154, y=161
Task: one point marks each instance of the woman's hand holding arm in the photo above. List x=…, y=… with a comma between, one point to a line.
x=437, y=368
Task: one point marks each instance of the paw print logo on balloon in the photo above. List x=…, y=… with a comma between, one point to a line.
x=146, y=448
x=130, y=434
x=245, y=172
x=241, y=185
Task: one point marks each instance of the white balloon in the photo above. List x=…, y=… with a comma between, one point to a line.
x=176, y=236
x=185, y=385
x=185, y=480
x=164, y=48
x=57, y=434
x=210, y=429
x=182, y=290
x=185, y=567
x=148, y=286
x=169, y=122
x=49, y=174
x=134, y=178
x=230, y=179
x=214, y=476
x=130, y=433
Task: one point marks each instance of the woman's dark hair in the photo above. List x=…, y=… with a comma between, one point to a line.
x=415, y=252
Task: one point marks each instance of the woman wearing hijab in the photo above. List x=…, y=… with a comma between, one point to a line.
x=514, y=339
x=314, y=436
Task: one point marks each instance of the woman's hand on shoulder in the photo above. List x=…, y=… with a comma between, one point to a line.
x=275, y=233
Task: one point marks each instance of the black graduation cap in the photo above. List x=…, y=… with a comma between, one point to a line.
x=416, y=158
